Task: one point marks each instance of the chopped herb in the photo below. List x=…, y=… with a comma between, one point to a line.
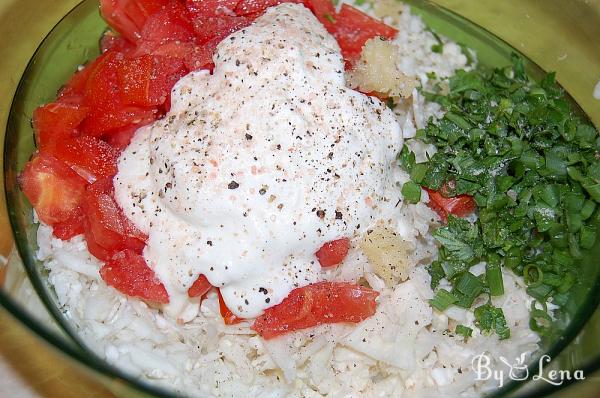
x=464, y=331
x=532, y=166
x=442, y=300
x=411, y=192
x=491, y=319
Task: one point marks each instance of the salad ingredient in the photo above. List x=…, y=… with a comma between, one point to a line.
x=200, y=287
x=90, y=157
x=128, y=17
x=128, y=272
x=316, y=304
x=53, y=189
x=388, y=254
x=459, y=205
x=531, y=166
x=229, y=318
x=257, y=165
x=377, y=71
x=57, y=121
x=352, y=28
x=333, y=253
x=106, y=225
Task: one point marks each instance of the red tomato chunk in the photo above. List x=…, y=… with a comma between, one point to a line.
x=228, y=317
x=90, y=157
x=200, y=287
x=57, y=121
x=316, y=304
x=460, y=206
x=107, y=230
x=333, y=253
x=128, y=273
x=55, y=191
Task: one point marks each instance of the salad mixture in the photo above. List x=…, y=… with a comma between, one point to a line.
x=302, y=198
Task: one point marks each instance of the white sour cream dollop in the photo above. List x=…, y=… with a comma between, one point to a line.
x=258, y=165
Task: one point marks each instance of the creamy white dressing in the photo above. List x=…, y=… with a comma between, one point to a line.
x=258, y=165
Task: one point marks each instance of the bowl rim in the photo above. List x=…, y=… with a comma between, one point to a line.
x=95, y=365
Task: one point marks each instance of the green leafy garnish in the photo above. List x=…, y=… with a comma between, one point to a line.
x=532, y=166
x=489, y=318
x=411, y=192
x=463, y=330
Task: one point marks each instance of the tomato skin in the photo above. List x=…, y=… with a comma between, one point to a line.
x=90, y=157
x=316, y=304
x=54, y=190
x=228, y=317
x=57, y=121
x=128, y=272
x=200, y=287
x=352, y=29
x=333, y=253
x=460, y=206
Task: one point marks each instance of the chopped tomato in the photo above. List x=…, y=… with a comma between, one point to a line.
x=129, y=16
x=201, y=56
x=316, y=304
x=169, y=24
x=200, y=287
x=147, y=80
x=228, y=317
x=209, y=28
x=245, y=7
x=111, y=41
x=103, y=97
x=128, y=272
x=121, y=138
x=89, y=157
x=107, y=226
x=54, y=190
x=211, y=7
x=324, y=10
x=460, y=206
x=352, y=29
x=67, y=229
x=57, y=121
x=333, y=253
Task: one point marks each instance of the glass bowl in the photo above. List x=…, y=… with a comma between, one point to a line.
x=73, y=41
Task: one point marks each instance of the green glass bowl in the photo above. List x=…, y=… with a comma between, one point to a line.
x=74, y=41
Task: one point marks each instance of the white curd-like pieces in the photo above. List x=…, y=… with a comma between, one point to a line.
x=255, y=167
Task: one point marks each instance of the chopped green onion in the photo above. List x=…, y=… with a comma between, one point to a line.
x=469, y=285
x=488, y=318
x=464, y=331
x=442, y=300
x=493, y=275
x=533, y=275
x=411, y=192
